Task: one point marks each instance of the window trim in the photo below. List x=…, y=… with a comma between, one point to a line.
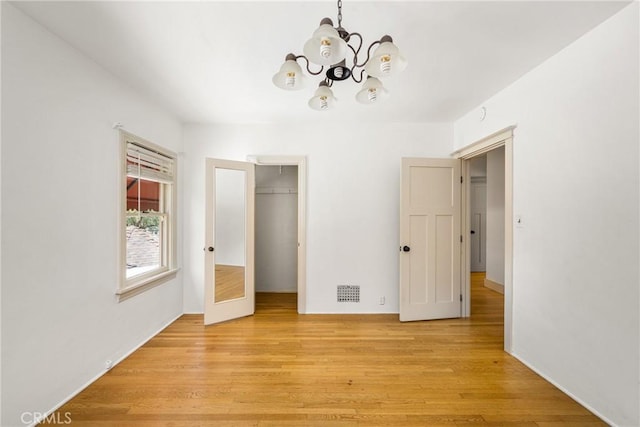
x=128, y=288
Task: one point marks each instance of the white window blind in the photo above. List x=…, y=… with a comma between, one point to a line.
x=148, y=164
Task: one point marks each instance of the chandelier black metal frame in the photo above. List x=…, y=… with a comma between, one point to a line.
x=329, y=47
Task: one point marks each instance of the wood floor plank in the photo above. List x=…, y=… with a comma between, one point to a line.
x=278, y=368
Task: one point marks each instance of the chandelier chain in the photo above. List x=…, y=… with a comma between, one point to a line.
x=339, y=13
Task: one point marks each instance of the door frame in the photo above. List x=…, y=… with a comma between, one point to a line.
x=502, y=138
x=301, y=162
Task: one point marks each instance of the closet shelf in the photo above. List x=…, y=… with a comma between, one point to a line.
x=275, y=190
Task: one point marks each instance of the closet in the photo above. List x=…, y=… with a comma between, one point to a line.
x=276, y=229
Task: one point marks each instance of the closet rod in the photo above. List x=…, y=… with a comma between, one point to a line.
x=270, y=190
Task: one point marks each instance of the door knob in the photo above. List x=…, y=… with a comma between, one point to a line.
x=406, y=249
x=473, y=232
x=210, y=248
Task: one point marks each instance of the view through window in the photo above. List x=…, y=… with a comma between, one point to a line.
x=149, y=211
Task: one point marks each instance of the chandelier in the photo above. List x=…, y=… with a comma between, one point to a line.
x=330, y=47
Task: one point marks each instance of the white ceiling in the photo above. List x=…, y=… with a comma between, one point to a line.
x=212, y=61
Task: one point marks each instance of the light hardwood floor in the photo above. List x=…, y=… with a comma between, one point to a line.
x=229, y=282
x=279, y=368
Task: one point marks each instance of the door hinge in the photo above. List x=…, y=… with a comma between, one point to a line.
x=461, y=238
x=460, y=297
x=461, y=180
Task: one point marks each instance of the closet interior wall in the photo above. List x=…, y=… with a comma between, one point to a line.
x=276, y=228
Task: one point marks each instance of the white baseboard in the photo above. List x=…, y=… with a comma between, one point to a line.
x=494, y=286
x=94, y=379
x=564, y=390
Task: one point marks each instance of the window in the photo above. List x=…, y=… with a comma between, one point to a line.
x=147, y=215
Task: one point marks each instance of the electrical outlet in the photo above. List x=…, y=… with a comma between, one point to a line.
x=108, y=364
x=382, y=300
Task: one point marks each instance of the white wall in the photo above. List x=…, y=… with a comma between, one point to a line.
x=478, y=167
x=353, y=191
x=276, y=221
x=60, y=317
x=495, y=216
x=576, y=185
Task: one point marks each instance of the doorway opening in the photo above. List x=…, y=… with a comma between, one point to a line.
x=277, y=182
x=478, y=213
x=486, y=218
x=486, y=235
x=499, y=148
x=276, y=228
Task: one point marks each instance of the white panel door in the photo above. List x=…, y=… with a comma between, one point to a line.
x=430, y=239
x=478, y=231
x=229, y=240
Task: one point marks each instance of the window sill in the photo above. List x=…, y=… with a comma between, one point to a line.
x=146, y=284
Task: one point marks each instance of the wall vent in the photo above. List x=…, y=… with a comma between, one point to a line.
x=348, y=293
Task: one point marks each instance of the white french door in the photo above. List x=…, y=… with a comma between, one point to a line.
x=430, y=239
x=229, y=240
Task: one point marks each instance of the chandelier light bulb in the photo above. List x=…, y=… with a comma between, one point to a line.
x=373, y=94
x=385, y=64
x=386, y=60
x=372, y=91
x=325, y=47
x=339, y=71
x=290, y=80
x=323, y=99
x=324, y=104
x=290, y=76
